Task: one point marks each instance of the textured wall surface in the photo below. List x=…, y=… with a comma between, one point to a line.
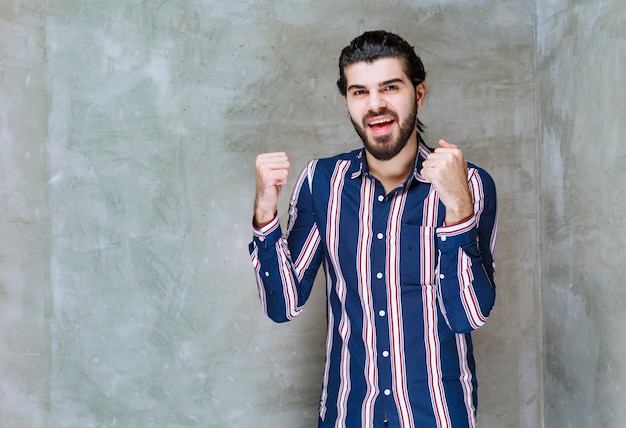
x=128, y=132
x=25, y=225
x=581, y=69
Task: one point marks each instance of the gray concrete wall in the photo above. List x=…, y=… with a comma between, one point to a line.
x=128, y=133
x=582, y=110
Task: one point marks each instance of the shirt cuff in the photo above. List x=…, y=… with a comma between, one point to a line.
x=264, y=230
x=460, y=228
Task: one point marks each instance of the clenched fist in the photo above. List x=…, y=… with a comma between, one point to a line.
x=446, y=169
x=272, y=171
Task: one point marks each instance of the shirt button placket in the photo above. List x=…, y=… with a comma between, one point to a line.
x=385, y=353
x=378, y=269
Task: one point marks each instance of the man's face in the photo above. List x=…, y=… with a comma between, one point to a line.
x=383, y=105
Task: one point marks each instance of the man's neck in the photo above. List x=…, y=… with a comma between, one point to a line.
x=394, y=171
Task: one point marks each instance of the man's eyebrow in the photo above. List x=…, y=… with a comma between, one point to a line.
x=390, y=81
x=385, y=83
x=356, y=87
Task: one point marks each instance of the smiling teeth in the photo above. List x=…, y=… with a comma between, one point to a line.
x=380, y=121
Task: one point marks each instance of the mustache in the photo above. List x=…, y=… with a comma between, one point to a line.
x=381, y=112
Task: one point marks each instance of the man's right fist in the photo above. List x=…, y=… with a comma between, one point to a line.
x=272, y=171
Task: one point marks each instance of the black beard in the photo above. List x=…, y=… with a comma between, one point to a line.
x=387, y=148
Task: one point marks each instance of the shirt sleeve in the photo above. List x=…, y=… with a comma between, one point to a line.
x=466, y=265
x=286, y=264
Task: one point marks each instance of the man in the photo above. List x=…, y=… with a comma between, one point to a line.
x=406, y=235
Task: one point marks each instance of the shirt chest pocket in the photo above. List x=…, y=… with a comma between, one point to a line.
x=418, y=255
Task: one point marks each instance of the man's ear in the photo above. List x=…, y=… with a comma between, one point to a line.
x=420, y=94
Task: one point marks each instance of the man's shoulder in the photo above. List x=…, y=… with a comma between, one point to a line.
x=323, y=168
x=485, y=177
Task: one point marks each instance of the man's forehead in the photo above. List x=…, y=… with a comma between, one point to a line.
x=376, y=72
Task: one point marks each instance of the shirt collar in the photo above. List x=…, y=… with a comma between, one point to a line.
x=359, y=165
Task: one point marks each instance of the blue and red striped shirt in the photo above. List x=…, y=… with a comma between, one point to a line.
x=404, y=291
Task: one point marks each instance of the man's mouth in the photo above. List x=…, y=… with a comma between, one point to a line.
x=381, y=125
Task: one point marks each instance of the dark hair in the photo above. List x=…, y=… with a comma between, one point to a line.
x=373, y=45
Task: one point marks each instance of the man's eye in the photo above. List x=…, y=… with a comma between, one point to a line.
x=391, y=87
x=358, y=92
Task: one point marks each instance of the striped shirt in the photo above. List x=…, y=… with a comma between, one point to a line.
x=404, y=291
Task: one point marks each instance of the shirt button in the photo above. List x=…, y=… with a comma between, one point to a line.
x=380, y=236
x=267, y=274
x=385, y=354
x=381, y=198
x=443, y=238
x=261, y=238
x=442, y=276
x=379, y=275
x=381, y=313
x=387, y=392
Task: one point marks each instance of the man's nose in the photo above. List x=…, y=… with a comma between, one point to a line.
x=376, y=102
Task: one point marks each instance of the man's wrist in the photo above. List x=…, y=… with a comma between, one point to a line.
x=455, y=221
x=259, y=221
